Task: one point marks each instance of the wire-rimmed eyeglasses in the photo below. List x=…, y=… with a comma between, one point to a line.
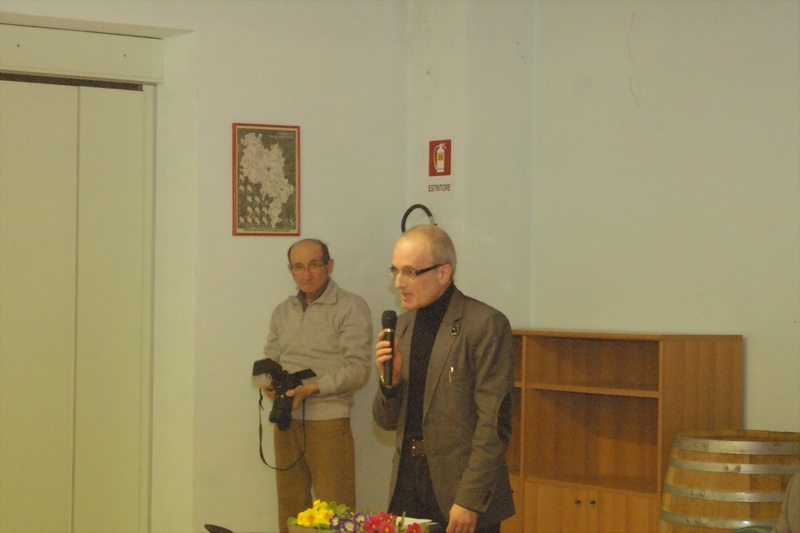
x=313, y=267
x=409, y=272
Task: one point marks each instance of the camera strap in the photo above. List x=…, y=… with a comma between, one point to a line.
x=261, y=434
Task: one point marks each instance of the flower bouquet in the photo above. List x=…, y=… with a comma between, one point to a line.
x=324, y=516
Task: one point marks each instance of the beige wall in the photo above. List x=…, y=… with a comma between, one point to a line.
x=666, y=193
x=617, y=166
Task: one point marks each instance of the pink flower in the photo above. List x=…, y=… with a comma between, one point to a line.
x=385, y=527
x=370, y=525
x=381, y=522
x=414, y=528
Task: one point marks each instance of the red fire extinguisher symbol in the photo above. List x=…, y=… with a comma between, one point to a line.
x=439, y=157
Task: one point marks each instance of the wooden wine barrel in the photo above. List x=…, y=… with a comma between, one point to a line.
x=720, y=481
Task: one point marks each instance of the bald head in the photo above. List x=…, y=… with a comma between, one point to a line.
x=441, y=247
x=322, y=246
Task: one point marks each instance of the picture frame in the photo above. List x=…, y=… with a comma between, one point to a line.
x=266, y=179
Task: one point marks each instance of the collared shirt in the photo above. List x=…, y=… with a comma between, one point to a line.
x=306, y=301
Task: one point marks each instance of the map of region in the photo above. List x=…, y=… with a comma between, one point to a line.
x=266, y=187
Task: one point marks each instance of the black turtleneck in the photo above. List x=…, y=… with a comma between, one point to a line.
x=426, y=325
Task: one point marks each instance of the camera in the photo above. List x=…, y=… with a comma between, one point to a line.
x=283, y=382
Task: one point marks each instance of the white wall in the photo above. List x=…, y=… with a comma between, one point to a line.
x=175, y=288
x=338, y=71
x=334, y=70
x=666, y=194
x=628, y=166
x=470, y=72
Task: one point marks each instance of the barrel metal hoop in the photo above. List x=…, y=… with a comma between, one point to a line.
x=683, y=442
x=724, y=496
x=711, y=522
x=733, y=468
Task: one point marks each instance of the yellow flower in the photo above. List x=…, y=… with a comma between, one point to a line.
x=318, y=514
x=306, y=518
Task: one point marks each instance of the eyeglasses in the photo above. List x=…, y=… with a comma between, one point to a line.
x=313, y=267
x=410, y=273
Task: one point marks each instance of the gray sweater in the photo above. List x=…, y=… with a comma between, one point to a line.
x=332, y=337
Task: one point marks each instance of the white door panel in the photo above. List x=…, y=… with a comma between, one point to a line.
x=112, y=291
x=38, y=187
x=75, y=308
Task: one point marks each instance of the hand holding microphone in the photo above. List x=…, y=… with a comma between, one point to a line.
x=389, y=323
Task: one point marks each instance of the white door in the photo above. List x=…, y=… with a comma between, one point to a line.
x=75, y=307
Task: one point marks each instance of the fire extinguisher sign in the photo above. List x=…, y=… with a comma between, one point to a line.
x=439, y=157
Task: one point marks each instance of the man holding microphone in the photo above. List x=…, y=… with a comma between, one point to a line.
x=449, y=394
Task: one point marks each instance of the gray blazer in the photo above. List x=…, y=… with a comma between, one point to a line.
x=466, y=421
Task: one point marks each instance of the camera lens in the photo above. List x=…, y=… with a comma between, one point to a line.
x=281, y=413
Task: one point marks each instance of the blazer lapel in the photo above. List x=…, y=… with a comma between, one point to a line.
x=442, y=347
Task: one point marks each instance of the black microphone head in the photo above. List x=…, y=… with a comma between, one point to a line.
x=389, y=320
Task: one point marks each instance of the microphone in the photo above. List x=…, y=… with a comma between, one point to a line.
x=389, y=323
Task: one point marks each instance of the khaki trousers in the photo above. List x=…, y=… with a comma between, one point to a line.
x=328, y=465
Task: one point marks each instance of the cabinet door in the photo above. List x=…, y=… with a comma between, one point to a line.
x=551, y=508
x=560, y=509
x=620, y=513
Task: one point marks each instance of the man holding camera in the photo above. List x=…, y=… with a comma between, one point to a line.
x=450, y=393
x=327, y=330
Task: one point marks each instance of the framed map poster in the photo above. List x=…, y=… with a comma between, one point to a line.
x=266, y=179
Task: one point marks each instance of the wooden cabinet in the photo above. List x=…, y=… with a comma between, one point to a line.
x=555, y=507
x=560, y=508
x=594, y=418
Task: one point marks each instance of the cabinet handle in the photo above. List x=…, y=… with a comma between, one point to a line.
x=592, y=502
x=577, y=502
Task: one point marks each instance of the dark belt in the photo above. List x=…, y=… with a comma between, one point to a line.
x=415, y=447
